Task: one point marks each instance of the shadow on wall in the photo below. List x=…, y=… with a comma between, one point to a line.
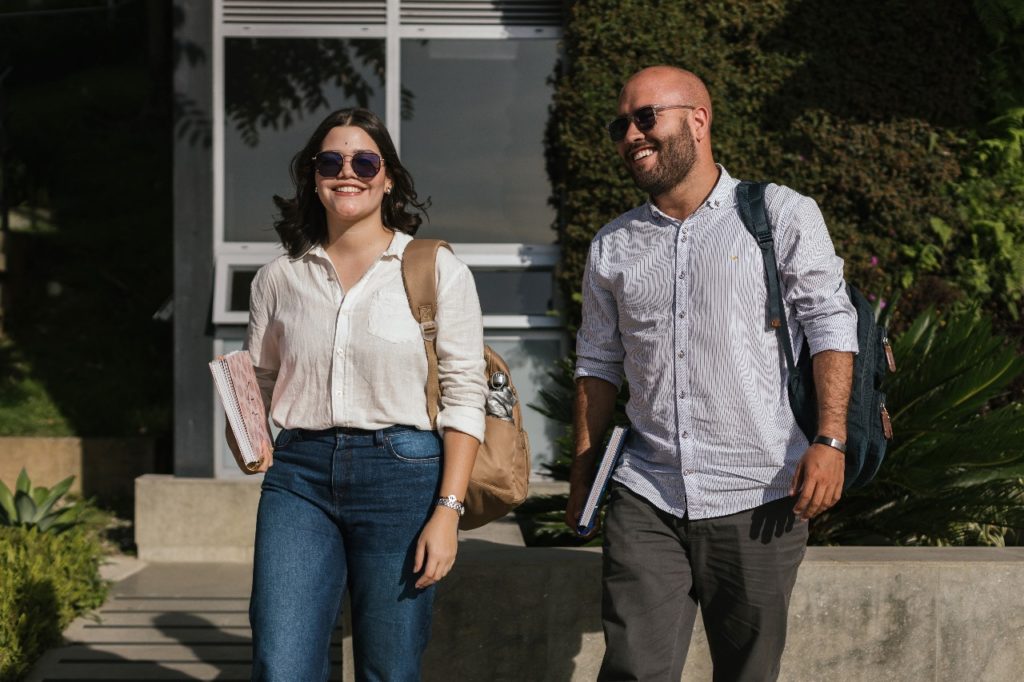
x=529, y=618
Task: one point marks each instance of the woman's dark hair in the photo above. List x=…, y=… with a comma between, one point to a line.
x=303, y=220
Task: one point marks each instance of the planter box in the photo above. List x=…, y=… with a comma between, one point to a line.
x=102, y=467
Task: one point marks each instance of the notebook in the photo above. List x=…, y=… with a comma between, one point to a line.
x=588, y=517
x=235, y=380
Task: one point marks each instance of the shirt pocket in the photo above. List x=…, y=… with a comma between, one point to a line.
x=390, y=318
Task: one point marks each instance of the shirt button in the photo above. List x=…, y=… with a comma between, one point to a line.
x=681, y=275
x=682, y=315
x=688, y=472
x=682, y=354
x=686, y=434
x=682, y=394
x=337, y=393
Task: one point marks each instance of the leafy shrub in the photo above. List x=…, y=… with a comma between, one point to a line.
x=48, y=579
x=954, y=473
x=868, y=107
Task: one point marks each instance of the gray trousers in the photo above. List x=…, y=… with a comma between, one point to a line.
x=657, y=568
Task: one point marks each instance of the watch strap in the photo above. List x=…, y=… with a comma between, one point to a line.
x=453, y=503
x=831, y=442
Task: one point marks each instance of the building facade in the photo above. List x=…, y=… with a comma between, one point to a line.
x=464, y=87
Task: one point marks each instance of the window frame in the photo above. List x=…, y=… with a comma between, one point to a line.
x=229, y=325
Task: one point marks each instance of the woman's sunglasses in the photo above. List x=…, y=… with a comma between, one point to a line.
x=645, y=118
x=364, y=164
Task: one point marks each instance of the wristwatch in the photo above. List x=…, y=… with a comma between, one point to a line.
x=452, y=502
x=831, y=442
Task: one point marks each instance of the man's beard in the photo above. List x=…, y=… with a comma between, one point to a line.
x=676, y=157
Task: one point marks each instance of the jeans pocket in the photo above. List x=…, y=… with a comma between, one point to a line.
x=285, y=437
x=413, y=446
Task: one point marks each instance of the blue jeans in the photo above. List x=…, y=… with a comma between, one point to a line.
x=343, y=508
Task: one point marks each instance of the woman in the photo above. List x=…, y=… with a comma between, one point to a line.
x=357, y=493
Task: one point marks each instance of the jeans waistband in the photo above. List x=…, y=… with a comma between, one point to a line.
x=333, y=432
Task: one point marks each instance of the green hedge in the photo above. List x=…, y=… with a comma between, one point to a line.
x=47, y=580
x=871, y=107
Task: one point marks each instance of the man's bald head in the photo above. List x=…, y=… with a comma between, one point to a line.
x=664, y=84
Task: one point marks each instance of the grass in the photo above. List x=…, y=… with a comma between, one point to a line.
x=26, y=408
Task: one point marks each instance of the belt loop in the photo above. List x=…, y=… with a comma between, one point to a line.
x=378, y=437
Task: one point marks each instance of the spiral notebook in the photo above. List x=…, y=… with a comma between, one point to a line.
x=588, y=517
x=235, y=380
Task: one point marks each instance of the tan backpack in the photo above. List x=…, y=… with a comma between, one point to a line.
x=502, y=470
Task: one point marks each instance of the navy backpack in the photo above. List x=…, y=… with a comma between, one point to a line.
x=868, y=429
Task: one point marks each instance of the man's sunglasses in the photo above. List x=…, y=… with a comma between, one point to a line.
x=364, y=164
x=645, y=118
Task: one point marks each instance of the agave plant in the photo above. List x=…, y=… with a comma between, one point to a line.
x=37, y=507
x=955, y=469
x=954, y=473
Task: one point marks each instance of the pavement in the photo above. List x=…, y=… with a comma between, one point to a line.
x=161, y=622
x=179, y=621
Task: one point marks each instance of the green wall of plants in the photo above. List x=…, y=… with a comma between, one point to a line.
x=878, y=109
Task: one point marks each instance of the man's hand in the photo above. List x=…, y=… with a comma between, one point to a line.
x=818, y=479
x=268, y=454
x=578, y=498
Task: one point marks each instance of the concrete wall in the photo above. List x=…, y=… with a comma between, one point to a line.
x=102, y=467
x=509, y=612
x=857, y=614
x=195, y=519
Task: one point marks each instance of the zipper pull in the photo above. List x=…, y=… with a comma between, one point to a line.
x=889, y=357
x=886, y=423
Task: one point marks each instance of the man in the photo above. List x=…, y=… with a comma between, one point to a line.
x=709, y=502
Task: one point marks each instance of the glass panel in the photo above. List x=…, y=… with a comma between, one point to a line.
x=515, y=292
x=239, y=286
x=475, y=140
x=530, y=360
x=276, y=91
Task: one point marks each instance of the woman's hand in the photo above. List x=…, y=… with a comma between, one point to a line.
x=437, y=547
x=268, y=454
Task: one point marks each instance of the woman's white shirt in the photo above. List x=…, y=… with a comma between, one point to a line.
x=326, y=357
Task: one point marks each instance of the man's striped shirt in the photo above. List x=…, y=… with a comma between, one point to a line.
x=678, y=309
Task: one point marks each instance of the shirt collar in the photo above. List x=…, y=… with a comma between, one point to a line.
x=395, y=249
x=722, y=195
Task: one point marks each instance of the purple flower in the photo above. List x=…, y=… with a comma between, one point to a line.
x=872, y=297
x=874, y=261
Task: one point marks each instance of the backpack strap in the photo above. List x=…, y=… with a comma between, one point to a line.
x=754, y=214
x=420, y=280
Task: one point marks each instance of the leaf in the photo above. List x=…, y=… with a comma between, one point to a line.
x=7, y=504
x=39, y=494
x=23, y=484
x=942, y=229
x=26, y=508
x=56, y=493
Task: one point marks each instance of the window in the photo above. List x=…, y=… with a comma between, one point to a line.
x=463, y=88
x=474, y=140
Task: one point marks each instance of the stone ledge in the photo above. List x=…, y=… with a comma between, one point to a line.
x=509, y=612
x=104, y=467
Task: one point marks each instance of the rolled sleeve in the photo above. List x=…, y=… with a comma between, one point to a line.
x=812, y=274
x=261, y=338
x=460, y=349
x=599, y=349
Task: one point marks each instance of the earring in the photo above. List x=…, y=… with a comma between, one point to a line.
x=387, y=190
